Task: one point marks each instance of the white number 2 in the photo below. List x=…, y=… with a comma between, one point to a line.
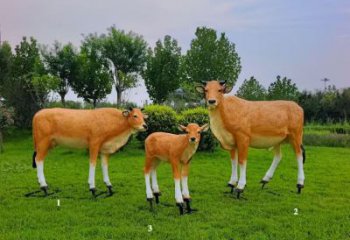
x=150, y=228
x=296, y=211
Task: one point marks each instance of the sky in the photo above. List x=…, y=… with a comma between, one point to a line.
x=303, y=40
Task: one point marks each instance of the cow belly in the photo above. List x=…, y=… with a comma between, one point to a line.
x=70, y=142
x=113, y=145
x=266, y=141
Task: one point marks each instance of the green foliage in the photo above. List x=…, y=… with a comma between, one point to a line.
x=6, y=120
x=200, y=116
x=20, y=92
x=211, y=57
x=160, y=119
x=67, y=104
x=61, y=63
x=283, y=89
x=6, y=60
x=126, y=53
x=329, y=140
x=323, y=206
x=162, y=73
x=92, y=81
x=251, y=90
x=43, y=85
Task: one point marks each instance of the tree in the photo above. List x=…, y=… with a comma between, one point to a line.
x=283, y=89
x=211, y=57
x=126, y=53
x=6, y=120
x=21, y=92
x=61, y=63
x=162, y=73
x=251, y=90
x=91, y=79
x=6, y=59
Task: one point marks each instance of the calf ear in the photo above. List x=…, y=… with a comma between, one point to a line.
x=145, y=116
x=199, y=88
x=227, y=89
x=126, y=113
x=205, y=127
x=181, y=128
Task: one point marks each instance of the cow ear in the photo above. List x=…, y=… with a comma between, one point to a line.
x=205, y=127
x=200, y=88
x=181, y=128
x=227, y=89
x=126, y=113
x=145, y=116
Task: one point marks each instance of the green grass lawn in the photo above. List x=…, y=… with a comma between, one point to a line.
x=323, y=207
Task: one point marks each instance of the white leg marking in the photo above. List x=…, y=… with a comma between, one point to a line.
x=185, y=191
x=40, y=173
x=155, y=187
x=242, y=178
x=92, y=176
x=149, y=192
x=301, y=176
x=276, y=160
x=178, y=195
x=234, y=175
x=104, y=163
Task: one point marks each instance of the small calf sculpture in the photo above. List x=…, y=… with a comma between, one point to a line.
x=177, y=150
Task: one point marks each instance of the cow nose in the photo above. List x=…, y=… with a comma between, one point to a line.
x=211, y=101
x=145, y=126
x=193, y=139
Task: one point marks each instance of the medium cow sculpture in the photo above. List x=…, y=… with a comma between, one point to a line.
x=177, y=150
x=103, y=131
x=239, y=124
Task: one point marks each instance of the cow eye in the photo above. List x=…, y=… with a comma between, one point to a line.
x=135, y=116
x=220, y=90
x=205, y=90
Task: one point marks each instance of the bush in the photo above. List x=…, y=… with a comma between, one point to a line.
x=69, y=104
x=330, y=140
x=200, y=116
x=160, y=119
x=6, y=120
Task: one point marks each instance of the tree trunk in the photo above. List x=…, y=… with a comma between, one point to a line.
x=63, y=101
x=119, y=96
x=95, y=102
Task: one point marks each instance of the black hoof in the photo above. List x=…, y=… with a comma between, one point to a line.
x=110, y=190
x=157, y=195
x=150, y=200
x=239, y=192
x=263, y=182
x=181, y=208
x=45, y=188
x=299, y=186
x=189, y=210
x=93, y=192
x=231, y=186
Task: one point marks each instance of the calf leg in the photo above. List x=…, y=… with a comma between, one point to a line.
x=269, y=174
x=178, y=194
x=242, y=160
x=184, y=181
x=234, y=175
x=147, y=170
x=104, y=163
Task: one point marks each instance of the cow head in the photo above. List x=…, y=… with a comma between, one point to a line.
x=193, y=131
x=213, y=92
x=136, y=119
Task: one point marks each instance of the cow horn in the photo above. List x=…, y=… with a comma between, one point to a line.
x=130, y=109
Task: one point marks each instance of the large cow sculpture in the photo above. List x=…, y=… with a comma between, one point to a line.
x=103, y=131
x=239, y=124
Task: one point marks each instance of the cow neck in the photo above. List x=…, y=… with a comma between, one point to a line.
x=122, y=128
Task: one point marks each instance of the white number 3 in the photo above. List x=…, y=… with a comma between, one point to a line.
x=150, y=228
x=295, y=211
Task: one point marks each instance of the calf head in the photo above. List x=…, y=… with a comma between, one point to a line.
x=213, y=92
x=136, y=119
x=193, y=131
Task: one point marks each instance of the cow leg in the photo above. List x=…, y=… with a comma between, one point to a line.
x=242, y=160
x=276, y=160
x=104, y=164
x=42, y=149
x=234, y=176
x=296, y=143
x=184, y=181
x=93, y=158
